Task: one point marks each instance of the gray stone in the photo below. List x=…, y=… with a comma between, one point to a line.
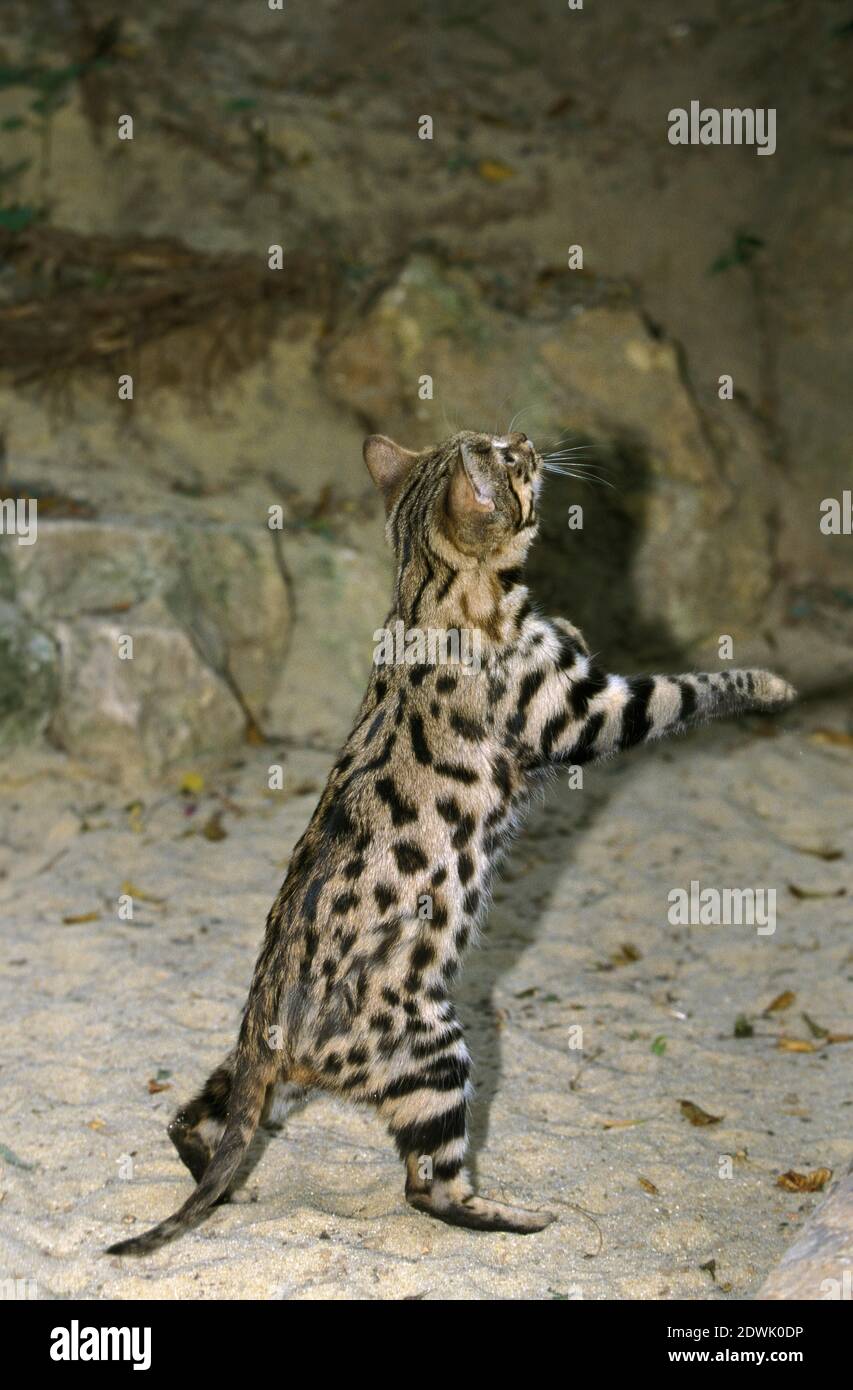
x=28, y=677
x=148, y=713
x=340, y=597
x=208, y=611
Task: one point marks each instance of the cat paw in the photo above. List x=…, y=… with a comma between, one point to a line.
x=479, y=1214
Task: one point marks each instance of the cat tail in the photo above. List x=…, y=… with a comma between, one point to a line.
x=253, y=1074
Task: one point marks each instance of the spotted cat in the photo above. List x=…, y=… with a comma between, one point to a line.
x=389, y=884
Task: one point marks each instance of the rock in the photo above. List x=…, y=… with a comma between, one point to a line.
x=819, y=1264
x=701, y=549
x=161, y=707
x=340, y=597
x=375, y=369
x=29, y=677
x=679, y=550
x=230, y=596
x=208, y=611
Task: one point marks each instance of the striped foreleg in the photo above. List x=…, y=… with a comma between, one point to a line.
x=600, y=715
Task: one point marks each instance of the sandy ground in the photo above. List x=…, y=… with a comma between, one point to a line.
x=93, y=1011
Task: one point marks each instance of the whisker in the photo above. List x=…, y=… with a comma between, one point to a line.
x=566, y=471
x=572, y=434
x=575, y=449
x=518, y=415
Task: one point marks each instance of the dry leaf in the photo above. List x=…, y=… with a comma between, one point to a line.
x=696, y=1115
x=804, y=1182
x=839, y=1037
x=626, y=954
x=835, y=737
x=562, y=104
x=648, y=1186
x=73, y=919
x=213, y=829
x=814, y=1028
x=796, y=1045
x=797, y=892
x=154, y=1086
x=493, y=171
x=192, y=783
x=131, y=891
x=96, y=1124
x=782, y=1001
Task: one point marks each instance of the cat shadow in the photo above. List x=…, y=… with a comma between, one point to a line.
x=508, y=934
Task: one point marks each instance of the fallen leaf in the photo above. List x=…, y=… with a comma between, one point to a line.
x=710, y=1267
x=839, y=1037
x=74, y=919
x=814, y=1028
x=782, y=1001
x=560, y=105
x=626, y=954
x=797, y=892
x=648, y=1186
x=213, y=829
x=493, y=171
x=804, y=1182
x=659, y=1046
x=192, y=783
x=131, y=891
x=743, y=1028
x=696, y=1115
x=835, y=737
x=155, y=1086
x=796, y=1045
x=96, y=1124
x=830, y=855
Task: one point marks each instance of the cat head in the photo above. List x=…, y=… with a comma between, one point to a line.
x=471, y=500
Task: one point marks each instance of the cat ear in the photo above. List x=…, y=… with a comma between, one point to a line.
x=388, y=463
x=471, y=491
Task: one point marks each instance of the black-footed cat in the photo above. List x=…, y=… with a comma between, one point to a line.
x=387, y=887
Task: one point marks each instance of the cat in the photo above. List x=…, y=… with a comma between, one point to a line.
x=351, y=992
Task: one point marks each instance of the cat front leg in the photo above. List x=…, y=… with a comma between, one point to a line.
x=587, y=715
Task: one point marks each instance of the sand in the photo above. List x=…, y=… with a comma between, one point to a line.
x=107, y=1025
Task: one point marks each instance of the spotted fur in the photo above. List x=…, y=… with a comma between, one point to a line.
x=352, y=991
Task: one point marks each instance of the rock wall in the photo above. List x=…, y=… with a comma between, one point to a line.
x=426, y=287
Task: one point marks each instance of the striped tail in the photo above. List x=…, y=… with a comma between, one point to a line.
x=251, y=1079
